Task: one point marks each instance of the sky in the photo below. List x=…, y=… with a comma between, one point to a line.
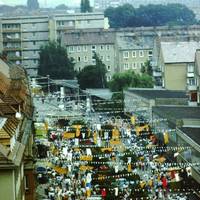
x=44, y=3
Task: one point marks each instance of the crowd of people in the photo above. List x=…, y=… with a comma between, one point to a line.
x=113, y=160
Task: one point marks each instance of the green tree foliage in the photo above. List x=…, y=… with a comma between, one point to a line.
x=129, y=78
x=93, y=76
x=147, y=68
x=32, y=4
x=54, y=61
x=150, y=15
x=85, y=6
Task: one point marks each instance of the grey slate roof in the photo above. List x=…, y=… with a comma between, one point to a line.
x=179, y=52
x=101, y=93
x=193, y=133
x=134, y=43
x=178, y=112
x=157, y=93
x=80, y=37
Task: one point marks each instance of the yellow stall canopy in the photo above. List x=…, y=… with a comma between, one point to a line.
x=40, y=129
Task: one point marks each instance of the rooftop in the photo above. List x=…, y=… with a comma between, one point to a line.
x=193, y=133
x=101, y=93
x=134, y=42
x=80, y=37
x=150, y=93
x=177, y=112
x=179, y=52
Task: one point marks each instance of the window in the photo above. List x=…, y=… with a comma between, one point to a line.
x=102, y=58
x=108, y=58
x=34, y=52
x=88, y=21
x=78, y=48
x=79, y=59
x=126, y=66
x=108, y=78
x=190, y=68
x=107, y=47
x=85, y=59
x=108, y=68
x=26, y=182
x=141, y=53
x=17, y=53
x=34, y=42
x=191, y=81
x=134, y=54
x=141, y=64
x=35, y=61
x=93, y=48
x=150, y=53
x=134, y=65
x=71, y=49
x=126, y=54
x=84, y=48
x=33, y=33
x=102, y=47
x=33, y=24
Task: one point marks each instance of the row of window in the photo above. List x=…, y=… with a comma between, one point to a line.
x=85, y=58
x=85, y=48
x=10, y=26
x=126, y=54
x=71, y=23
x=133, y=65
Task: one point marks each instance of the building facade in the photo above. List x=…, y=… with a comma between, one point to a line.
x=22, y=36
x=83, y=44
x=16, y=137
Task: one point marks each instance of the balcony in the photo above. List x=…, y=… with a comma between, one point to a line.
x=192, y=87
x=13, y=30
x=190, y=74
x=12, y=48
x=157, y=73
x=14, y=58
x=6, y=39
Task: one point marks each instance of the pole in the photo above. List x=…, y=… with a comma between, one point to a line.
x=48, y=85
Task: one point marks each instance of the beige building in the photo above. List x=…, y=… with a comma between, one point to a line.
x=22, y=36
x=133, y=52
x=16, y=136
x=177, y=63
x=82, y=44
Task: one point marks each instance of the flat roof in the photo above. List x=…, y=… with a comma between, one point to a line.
x=193, y=133
x=150, y=93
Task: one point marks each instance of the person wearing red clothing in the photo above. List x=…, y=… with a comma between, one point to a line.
x=103, y=193
x=164, y=182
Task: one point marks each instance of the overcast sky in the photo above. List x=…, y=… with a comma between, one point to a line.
x=44, y=3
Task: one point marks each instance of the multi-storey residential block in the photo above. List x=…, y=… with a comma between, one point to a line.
x=16, y=135
x=133, y=52
x=82, y=44
x=22, y=36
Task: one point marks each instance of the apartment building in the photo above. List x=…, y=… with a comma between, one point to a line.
x=22, y=36
x=82, y=44
x=133, y=52
x=17, y=180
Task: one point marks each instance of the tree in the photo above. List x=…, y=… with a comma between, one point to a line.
x=85, y=6
x=93, y=76
x=150, y=15
x=61, y=7
x=147, y=68
x=129, y=78
x=32, y=4
x=55, y=62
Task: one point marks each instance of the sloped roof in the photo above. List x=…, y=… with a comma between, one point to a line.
x=88, y=38
x=179, y=52
x=134, y=43
x=193, y=133
x=150, y=93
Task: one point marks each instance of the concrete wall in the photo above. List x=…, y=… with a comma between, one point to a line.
x=175, y=76
x=7, y=185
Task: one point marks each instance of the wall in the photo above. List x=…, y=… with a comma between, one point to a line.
x=175, y=76
x=7, y=182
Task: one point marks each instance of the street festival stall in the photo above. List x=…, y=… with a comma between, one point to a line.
x=118, y=159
